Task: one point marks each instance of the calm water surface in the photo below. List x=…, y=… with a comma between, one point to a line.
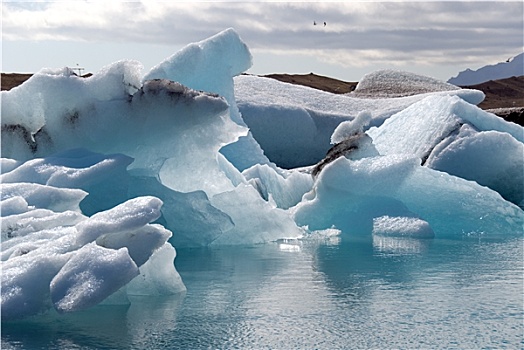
x=386, y=293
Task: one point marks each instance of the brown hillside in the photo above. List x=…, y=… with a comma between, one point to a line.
x=503, y=93
x=317, y=82
x=10, y=80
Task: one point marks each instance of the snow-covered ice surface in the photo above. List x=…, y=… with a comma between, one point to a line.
x=390, y=83
x=102, y=177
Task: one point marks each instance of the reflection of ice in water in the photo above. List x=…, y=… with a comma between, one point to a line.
x=401, y=235
x=143, y=324
x=311, y=240
x=400, y=245
x=324, y=296
x=286, y=247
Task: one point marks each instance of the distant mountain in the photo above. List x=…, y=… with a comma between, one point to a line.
x=508, y=69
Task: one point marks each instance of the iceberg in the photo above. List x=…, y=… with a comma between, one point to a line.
x=103, y=177
x=293, y=124
x=74, y=263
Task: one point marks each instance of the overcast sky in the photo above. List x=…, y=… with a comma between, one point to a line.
x=435, y=38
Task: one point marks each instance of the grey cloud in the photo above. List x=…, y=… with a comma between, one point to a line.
x=448, y=28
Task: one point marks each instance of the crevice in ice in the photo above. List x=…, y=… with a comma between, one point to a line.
x=340, y=149
x=18, y=131
x=453, y=131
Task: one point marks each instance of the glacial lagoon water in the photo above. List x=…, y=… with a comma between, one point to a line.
x=335, y=294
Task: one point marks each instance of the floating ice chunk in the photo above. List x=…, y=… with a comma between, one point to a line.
x=329, y=236
x=90, y=276
x=51, y=257
x=402, y=227
x=400, y=245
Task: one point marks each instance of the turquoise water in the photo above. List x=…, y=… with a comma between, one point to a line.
x=389, y=293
